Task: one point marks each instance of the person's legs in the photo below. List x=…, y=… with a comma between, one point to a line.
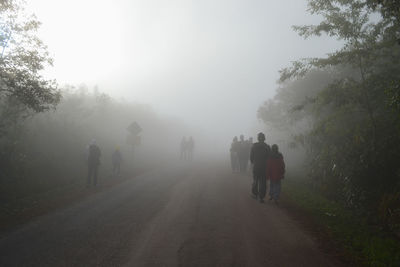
x=262, y=186
x=242, y=166
x=237, y=167
x=114, y=169
x=95, y=175
x=277, y=189
x=254, y=187
x=89, y=176
x=271, y=193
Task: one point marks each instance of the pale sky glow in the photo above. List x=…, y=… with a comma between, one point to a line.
x=205, y=61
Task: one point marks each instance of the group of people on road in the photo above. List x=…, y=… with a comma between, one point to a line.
x=268, y=164
x=93, y=161
x=240, y=153
x=187, y=148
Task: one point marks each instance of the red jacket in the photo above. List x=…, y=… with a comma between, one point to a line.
x=275, y=167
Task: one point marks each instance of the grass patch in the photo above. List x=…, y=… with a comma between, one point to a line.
x=363, y=243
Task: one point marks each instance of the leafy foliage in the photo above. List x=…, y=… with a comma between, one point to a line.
x=23, y=57
x=363, y=244
x=353, y=138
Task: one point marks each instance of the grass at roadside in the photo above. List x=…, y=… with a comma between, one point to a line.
x=361, y=243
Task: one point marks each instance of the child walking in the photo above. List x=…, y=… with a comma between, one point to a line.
x=275, y=172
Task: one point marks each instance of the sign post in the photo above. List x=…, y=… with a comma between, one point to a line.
x=134, y=139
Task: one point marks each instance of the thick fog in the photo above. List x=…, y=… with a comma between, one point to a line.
x=210, y=64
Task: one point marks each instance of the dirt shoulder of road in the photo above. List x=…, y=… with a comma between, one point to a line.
x=24, y=210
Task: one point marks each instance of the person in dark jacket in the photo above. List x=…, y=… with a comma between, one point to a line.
x=275, y=172
x=243, y=154
x=93, y=163
x=190, y=148
x=116, y=161
x=249, y=145
x=234, y=154
x=258, y=157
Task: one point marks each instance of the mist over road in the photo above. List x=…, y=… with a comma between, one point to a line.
x=197, y=215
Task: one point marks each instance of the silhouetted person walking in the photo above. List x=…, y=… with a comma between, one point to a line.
x=190, y=148
x=234, y=151
x=275, y=172
x=243, y=154
x=249, y=145
x=116, y=162
x=93, y=163
x=258, y=157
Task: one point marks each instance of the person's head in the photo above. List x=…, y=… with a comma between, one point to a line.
x=241, y=137
x=235, y=139
x=275, y=148
x=93, y=142
x=117, y=148
x=261, y=137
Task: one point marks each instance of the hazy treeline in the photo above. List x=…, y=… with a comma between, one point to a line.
x=49, y=149
x=343, y=112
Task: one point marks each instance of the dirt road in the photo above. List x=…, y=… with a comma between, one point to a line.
x=199, y=215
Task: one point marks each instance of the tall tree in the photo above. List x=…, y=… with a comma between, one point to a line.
x=355, y=138
x=22, y=60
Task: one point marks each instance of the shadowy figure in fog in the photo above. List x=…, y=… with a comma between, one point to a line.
x=116, y=162
x=275, y=172
x=183, y=148
x=249, y=145
x=190, y=148
x=234, y=151
x=258, y=156
x=93, y=163
x=243, y=154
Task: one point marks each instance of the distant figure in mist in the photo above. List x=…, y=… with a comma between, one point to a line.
x=275, y=172
x=249, y=145
x=243, y=154
x=190, y=148
x=116, y=162
x=258, y=157
x=93, y=163
x=184, y=148
x=234, y=151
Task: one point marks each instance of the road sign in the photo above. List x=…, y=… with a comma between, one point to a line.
x=134, y=128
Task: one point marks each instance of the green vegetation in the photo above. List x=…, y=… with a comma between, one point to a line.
x=341, y=113
x=342, y=110
x=23, y=57
x=363, y=243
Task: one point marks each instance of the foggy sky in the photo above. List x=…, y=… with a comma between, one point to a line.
x=210, y=63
